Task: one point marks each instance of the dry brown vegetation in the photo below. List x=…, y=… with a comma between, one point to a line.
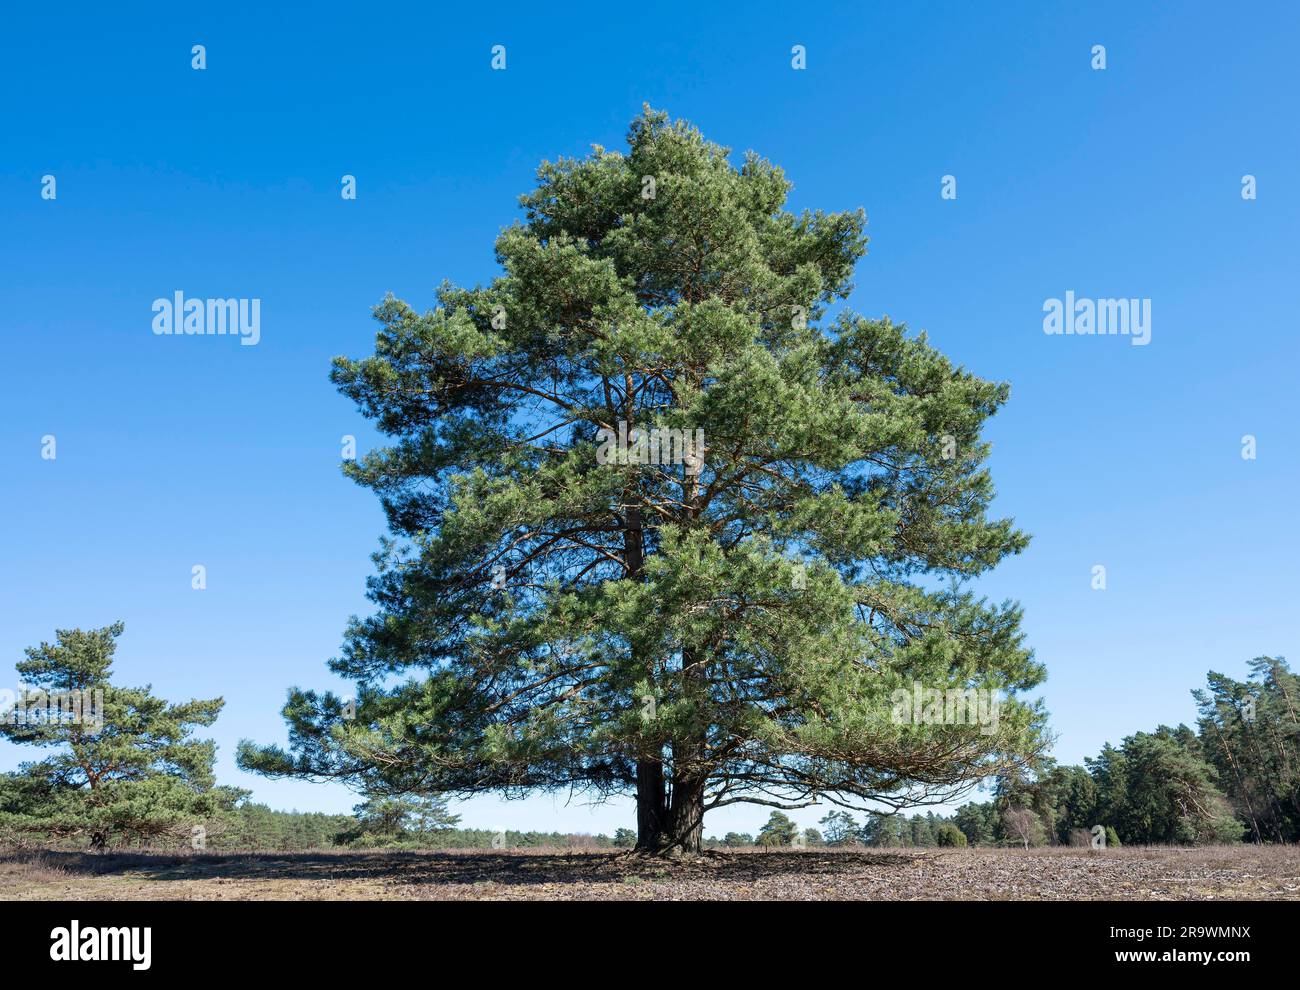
x=1207, y=873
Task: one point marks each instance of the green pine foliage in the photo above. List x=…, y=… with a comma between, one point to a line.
x=400, y=820
x=1154, y=788
x=977, y=821
x=840, y=828
x=779, y=831
x=624, y=838
x=129, y=772
x=948, y=834
x=1250, y=734
x=1233, y=778
x=697, y=632
x=1159, y=789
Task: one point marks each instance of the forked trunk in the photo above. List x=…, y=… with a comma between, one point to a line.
x=666, y=828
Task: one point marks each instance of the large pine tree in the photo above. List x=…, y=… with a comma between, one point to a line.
x=694, y=630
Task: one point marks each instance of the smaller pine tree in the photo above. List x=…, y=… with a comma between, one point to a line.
x=624, y=838
x=948, y=834
x=124, y=766
x=779, y=831
x=406, y=819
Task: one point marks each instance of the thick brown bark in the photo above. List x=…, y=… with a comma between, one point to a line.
x=686, y=816
x=651, y=812
x=673, y=827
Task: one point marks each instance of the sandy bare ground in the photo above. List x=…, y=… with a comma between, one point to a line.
x=1211, y=873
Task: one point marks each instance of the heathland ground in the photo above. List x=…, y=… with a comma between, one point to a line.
x=1048, y=873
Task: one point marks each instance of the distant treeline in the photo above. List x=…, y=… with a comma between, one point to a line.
x=255, y=826
x=1235, y=777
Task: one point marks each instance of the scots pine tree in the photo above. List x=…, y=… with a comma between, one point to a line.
x=1158, y=789
x=122, y=764
x=779, y=830
x=948, y=834
x=840, y=828
x=665, y=522
x=624, y=838
x=1250, y=734
x=976, y=822
x=395, y=820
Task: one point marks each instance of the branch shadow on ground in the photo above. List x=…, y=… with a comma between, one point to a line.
x=451, y=868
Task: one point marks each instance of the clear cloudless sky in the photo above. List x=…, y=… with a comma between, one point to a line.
x=225, y=182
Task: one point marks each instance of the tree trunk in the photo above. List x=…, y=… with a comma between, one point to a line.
x=686, y=817
x=665, y=828
x=690, y=776
x=650, y=809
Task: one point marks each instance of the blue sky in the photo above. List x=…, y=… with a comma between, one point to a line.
x=225, y=182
